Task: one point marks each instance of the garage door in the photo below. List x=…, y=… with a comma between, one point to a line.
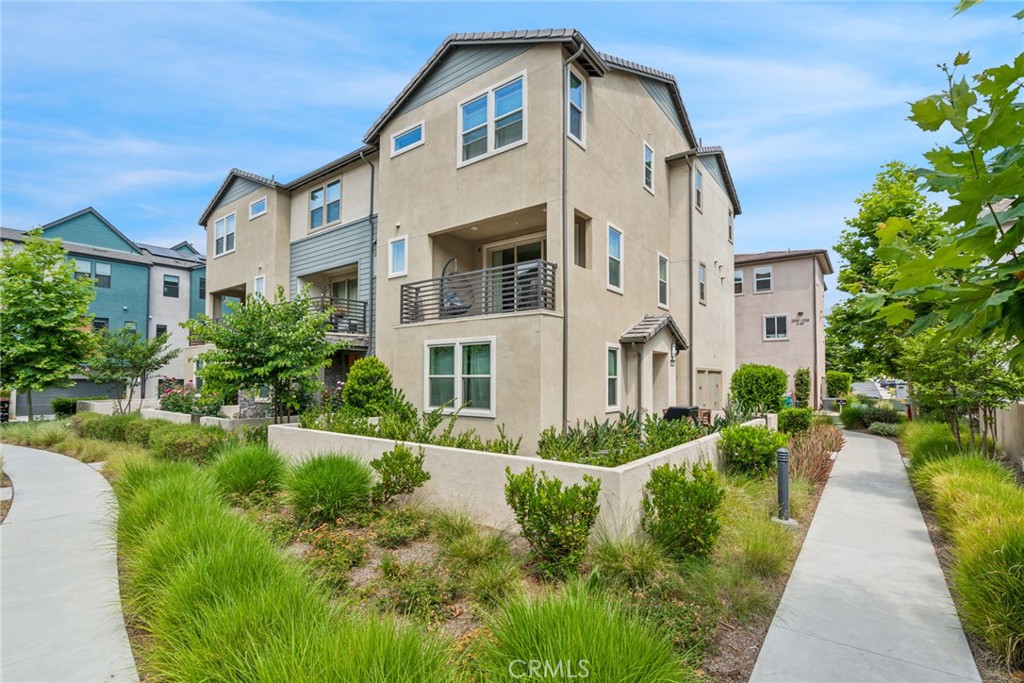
x=41, y=399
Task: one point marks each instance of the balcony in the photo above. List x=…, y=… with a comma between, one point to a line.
x=513, y=288
x=347, y=316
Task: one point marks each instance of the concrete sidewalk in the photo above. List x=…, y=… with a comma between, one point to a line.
x=867, y=600
x=60, y=605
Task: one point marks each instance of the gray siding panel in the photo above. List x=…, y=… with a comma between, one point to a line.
x=712, y=167
x=239, y=188
x=348, y=244
x=660, y=92
x=460, y=66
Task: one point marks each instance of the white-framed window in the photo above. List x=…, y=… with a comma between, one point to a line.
x=737, y=281
x=258, y=208
x=404, y=140
x=775, y=327
x=576, y=124
x=492, y=121
x=732, y=225
x=83, y=269
x=698, y=190
x=224, y=235
x=325, y=204
x=702, y=283
x=648, y=168
x=172, y=286
x=613, y=375
x=614, y=259
x=259, y=285
x=398, y=256
x=762, y=279
x=130, y=325
x=103, y=275
x=459, y=374
x=662, y=280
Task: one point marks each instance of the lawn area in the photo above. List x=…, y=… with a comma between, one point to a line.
x=304, y=565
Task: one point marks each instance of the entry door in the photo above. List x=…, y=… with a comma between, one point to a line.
x=517, y=288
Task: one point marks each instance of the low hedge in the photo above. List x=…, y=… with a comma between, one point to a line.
x=187, y=442
x=68, y=405
x=795, y=420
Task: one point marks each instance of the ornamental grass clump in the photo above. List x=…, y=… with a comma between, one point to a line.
x=680, y=509
x=245, y=471
x=928, y=441
x=556, y=521
x=810, y=452
x=327, y=487
x=187, y=442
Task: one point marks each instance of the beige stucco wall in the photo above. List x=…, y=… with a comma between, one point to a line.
x=797, y=292
x=355, y=198
x=1010, y=428
x=169, y=311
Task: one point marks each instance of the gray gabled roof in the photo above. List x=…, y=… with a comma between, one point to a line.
x=332, y=166
x=145, y=257
x=650, y=325
x=718, y=153
x=786, y=255
x=590, y=59
x=171, y=253
x=232, y=174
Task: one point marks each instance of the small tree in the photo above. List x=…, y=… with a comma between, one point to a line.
x=759, y=388
x=280, y=344
x=368, y=388
x=44, y=313
x=124, y=358
x=802, y=385
x=838, y=384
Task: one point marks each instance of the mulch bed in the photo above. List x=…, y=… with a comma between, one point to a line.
x=5, y=505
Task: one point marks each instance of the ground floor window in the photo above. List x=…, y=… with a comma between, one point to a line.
x=460, y=374
x=612, y=354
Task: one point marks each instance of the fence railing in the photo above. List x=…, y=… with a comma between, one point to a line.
x=347, y=316
x=525, y=286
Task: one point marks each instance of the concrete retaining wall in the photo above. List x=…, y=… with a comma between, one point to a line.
x=110, y=407
x=474, y=481
x=176, y=418
x=1010, y=428
x=231, y=424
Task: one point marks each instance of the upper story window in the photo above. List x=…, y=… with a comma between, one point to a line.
x=161, y=329
x=202, y=288
x=737, y=281
x=258, y=208
x=325, y=205
x=224, y=235
x=732, y=224
x=702, y=283
x=649, y=168
x=103, y=275
x=100, y=323
x=410, y=138
x=171, y=286
x=259, y=285
x=762, y=279
x=492, y=121
x=662, y=281
x=83, y=269
x=577, y=103
x=130, y=325
x=698, y=191
x=614, y=258
x=398, y=262
x=775, y=327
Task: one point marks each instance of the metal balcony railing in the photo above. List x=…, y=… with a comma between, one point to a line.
x=525, y=286
x=348, y=316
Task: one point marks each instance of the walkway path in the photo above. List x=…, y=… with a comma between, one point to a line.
x=60, y=607
x=867, y=600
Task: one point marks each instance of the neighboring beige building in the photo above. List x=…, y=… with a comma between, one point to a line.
x=549, y=241
x=780, y=312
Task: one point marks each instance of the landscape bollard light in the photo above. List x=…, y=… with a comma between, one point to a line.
x=783, y=459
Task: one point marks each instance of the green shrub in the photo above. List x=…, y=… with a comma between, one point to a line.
x=630, y=563
x=852, y=416
x=400, y=471
x=759, y=388
x=795, y=420
x=180, y=399
x=110, y=427
x=680, y=513
x=660, y=435
x=141, y=432
x=399, y=526
x=750, y=449
x=802, y=386
x=577, y=633
x=326, y=487
x=187, y=442
x=334, y=550
x=247, y=470
x=838, y=384
x=369, y=390
x=927, y=441
x=415, y=588
x=68, y=406
x=82, y=424
x=556, y=521
x=872, y=414
x=884, y=429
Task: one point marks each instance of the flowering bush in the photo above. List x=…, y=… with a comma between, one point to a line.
x=185, y=399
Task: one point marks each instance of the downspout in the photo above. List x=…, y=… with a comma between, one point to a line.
x=814, y=320
x=693, y=338
x=639, y=378
x=565, y=235
x=373, y=260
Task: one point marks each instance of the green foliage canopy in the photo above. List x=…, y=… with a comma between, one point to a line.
x=124, y=357
x=759, y=388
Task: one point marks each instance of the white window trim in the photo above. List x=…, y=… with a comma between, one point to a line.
x=764, y=328
x=323, y=186
x=668, y=280
x=489, y=92
x=391, y=266
x=422, y=141
x=255, y=289
x=254, y=203
x=698, y=196
x=458, y=344
x=582, y=140
x=609, y=408
x=643, y=170
x=232, y=250
x=771, y=281
x=702, y=299
x=732, y=226
x=743, y=282
x=608, y=256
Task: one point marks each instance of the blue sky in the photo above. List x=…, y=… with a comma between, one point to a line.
x=139, y=109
